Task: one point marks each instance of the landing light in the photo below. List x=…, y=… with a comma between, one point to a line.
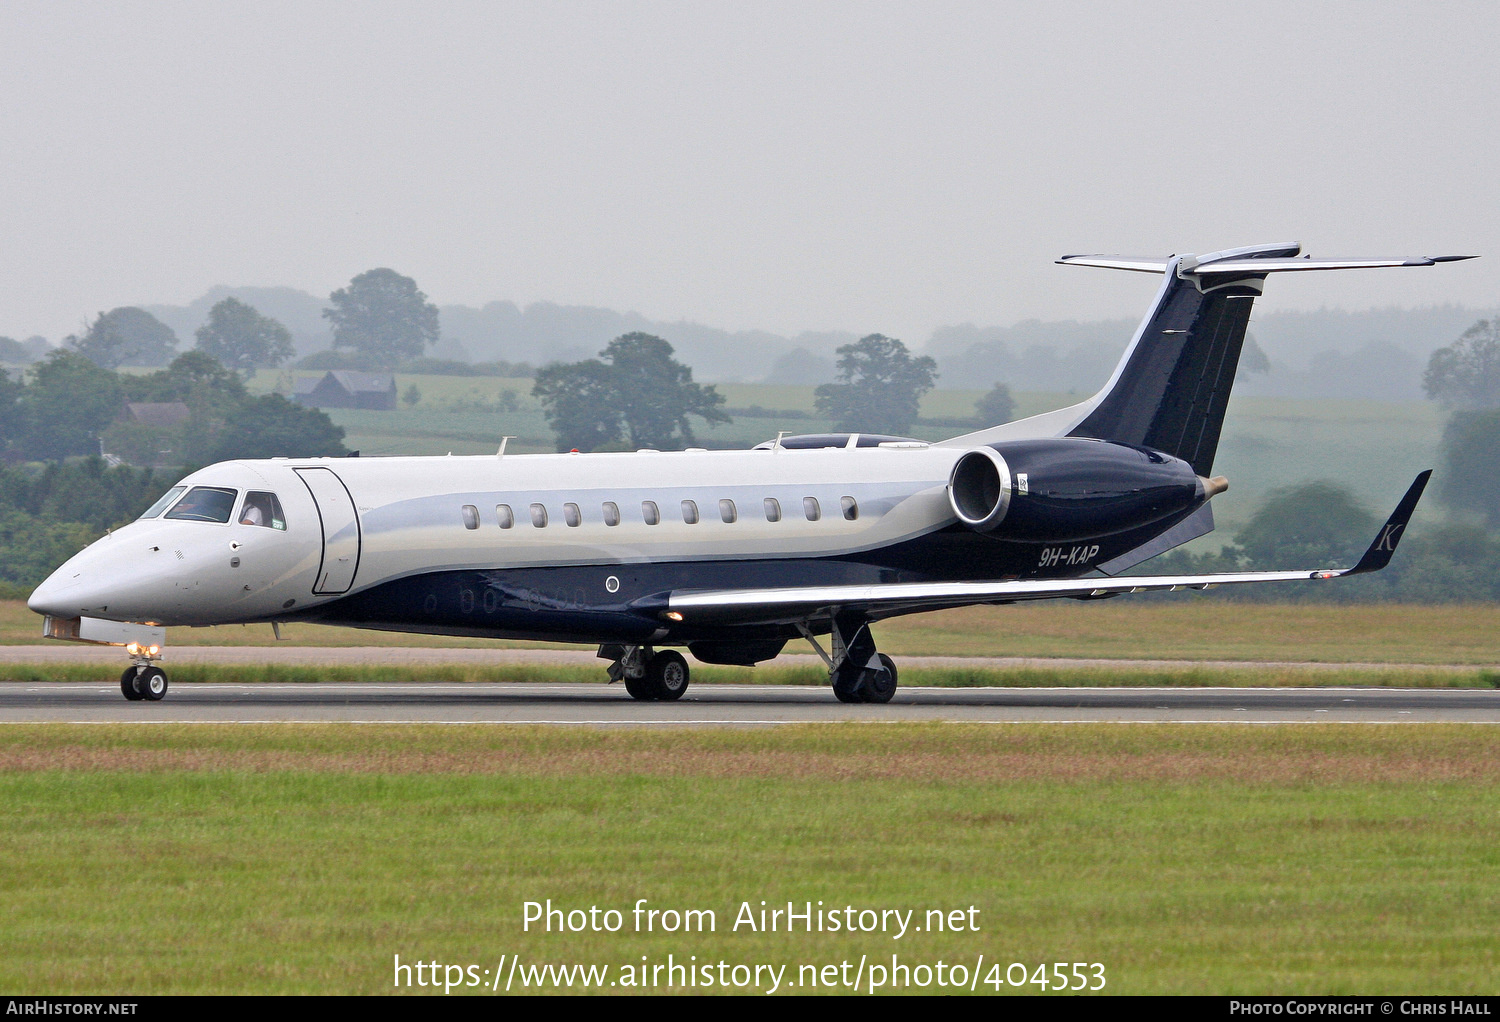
x=672, y=615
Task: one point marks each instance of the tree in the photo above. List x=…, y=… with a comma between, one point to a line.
x=880, y=386
x=273, y=427
x=1471, y=455
x=242, y=339
x=126, y=336
x=995, y=407
x=641, y=393
x=410, y=396
x=581, y=404
x=12, y=412
x=384, y=317
x=656, y=393
x=1314, y=525
x=1466, y=374
x=69, y=403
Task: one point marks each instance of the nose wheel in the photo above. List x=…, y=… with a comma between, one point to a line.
x=143, y=681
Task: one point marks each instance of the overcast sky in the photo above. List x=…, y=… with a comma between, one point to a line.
x=891, y=167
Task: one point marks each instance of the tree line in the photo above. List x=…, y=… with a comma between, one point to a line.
x=382, y=319
x=636, y=394
x=71, y=406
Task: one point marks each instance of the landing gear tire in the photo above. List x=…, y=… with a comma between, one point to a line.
x=848, y=683
x=128, y=684
x=880, y=685
x=667, y=675
x=853, y=684
x=152, y=683
x=639, y=688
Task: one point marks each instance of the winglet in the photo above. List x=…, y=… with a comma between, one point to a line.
x=1379, y=554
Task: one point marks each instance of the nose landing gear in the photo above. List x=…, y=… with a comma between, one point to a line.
x=143, y=680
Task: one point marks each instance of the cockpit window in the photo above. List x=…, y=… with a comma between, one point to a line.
x=205, y=504
x=262, y=509
x=166, y=499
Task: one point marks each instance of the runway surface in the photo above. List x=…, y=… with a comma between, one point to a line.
x=706, y=705
x=419, y=656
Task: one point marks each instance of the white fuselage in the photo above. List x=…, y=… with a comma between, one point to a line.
x=416, y=515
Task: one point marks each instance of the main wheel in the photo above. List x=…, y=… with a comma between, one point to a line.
x=128, y=685
x=153, y=683
x=881, y=685
x=667, y=672
x=639, y=688
x=848, y=683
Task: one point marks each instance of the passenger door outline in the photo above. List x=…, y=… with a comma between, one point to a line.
x=336, y=513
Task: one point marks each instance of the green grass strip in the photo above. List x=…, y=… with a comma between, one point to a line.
x=1186, y=860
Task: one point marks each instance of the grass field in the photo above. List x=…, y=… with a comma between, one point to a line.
x=258, y=859
x=1191, y=628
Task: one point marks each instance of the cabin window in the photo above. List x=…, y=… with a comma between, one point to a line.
x=263, y=509
x=504, y=516
x=650, y=514
x=539, y=515
x=690, y=512
x=166, y=499
x=611, y=513
x=727, y=511
x=811, y=509
x=471, y=516
x=851, y=508
x=773, y=509
x=572, y=516
x=205, y=504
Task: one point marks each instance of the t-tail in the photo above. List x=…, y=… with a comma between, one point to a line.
x=1171, y=387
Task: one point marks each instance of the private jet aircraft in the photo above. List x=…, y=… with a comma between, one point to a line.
x=728, y=553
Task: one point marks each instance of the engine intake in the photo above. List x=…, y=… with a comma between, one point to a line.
x=979, y=489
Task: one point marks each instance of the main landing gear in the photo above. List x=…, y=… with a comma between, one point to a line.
x=142, y=679
x=858, y=672
x=648, y=674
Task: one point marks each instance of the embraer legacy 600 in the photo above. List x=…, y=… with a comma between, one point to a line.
x=729, y=553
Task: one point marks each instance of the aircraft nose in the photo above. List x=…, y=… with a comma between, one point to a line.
x=88, y=583
x=55, y=594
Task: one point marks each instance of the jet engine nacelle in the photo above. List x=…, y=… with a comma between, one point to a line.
x=1069, y=488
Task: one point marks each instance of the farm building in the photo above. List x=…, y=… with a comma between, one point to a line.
x=342, y=388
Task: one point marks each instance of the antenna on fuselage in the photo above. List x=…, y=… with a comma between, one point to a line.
x=503, y=441
x=779, y=434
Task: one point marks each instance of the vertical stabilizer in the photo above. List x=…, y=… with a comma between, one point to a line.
x=1171, y=387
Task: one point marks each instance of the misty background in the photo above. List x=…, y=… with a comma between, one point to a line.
x=757, y=185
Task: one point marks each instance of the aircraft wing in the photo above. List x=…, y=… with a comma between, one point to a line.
x=885, y=599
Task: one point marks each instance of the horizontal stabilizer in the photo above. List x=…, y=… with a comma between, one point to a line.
x=1234, y=261
x=1141, y=264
